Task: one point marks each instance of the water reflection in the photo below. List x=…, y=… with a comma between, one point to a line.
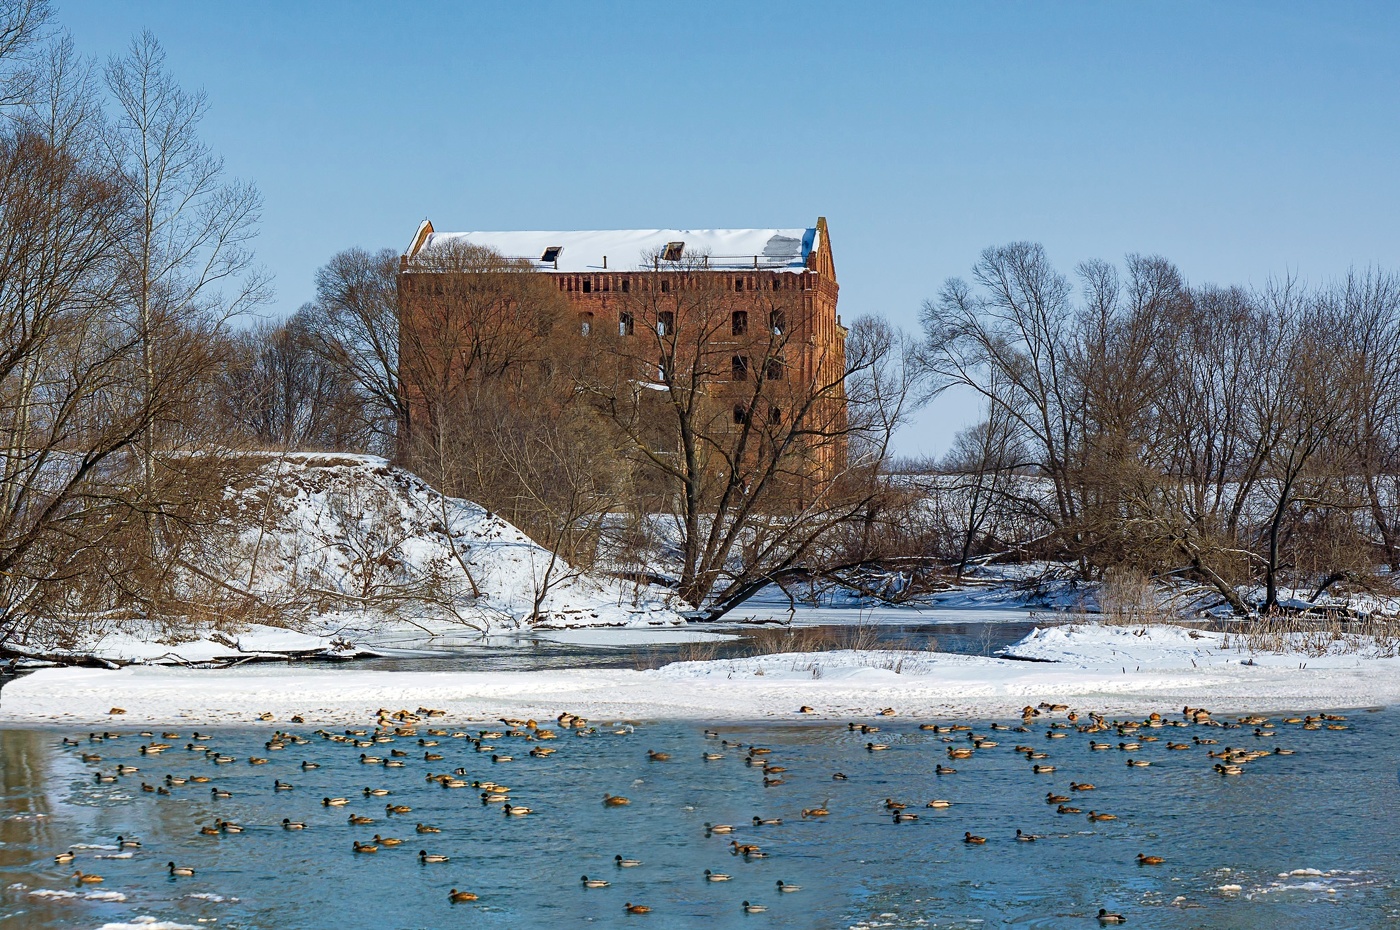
x=1327, y=809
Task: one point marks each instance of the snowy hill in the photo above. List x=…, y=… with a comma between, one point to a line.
x=350, y=534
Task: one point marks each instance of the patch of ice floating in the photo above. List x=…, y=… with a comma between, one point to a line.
x=210, y=896
x=147, y=923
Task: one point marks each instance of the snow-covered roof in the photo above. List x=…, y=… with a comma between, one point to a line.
x=626, y=249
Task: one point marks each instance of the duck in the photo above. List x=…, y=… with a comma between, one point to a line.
x=425, y=857
x=1080, y=786
x=1066, y=809
x=623, y=863
x=767, y=822
x=279, y=785
x=64, y=858
x=712, y=756
x=228, y=826
x=815, y=812
x=365, y=847
x=719, y=828
x=742, y=849
x=397, y=809
x=944, y=770
x=458, y=897
x=516, y=810
x=1149, y=860
x=594, y=882
x=1042, y=769
x=876, y=747
x=86, y=878
x=376, y=792
x=1096, y=816
x=334, y=802
x=904, y=817
x=360, y=819
x=497, y=758
x=220, y=793
x=306, y=766
x=1052, y=798
x=974, y=840
x=715, y=876
x=124, y=843
x=1283, y=752
x=655, y=756
x=631, y=908
x=610, y=800
x=425, y=828
x=939, y=803
x=181, y=870
x=387, y=842
x=1107, y=918
x=1138, y=763
x=754, y=908
x=289, y=824
x=209, y=831
x=786, y=888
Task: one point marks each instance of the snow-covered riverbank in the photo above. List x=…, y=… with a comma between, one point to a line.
x=1112, y=669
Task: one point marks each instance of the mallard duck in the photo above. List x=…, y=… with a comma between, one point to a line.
x=594, y=882
x=838, y=776
x=365, y=847
x=516, y=810
x=1066, y=809
x=220, y=793
x=124, y=843
x=742, y=849
x=458, y=897
x=815, y=812
x=181, y=870
x=334, y=802
x=424, y=828
x=1282, y=752
x=397, y=809
x=876, y=747
x=904, y=817
x=655, y=756
x=497, y=758
x=941, y=769
x=424, y=856
x=360, y=819
x=1042, y=769
x=636, y=908
x=309, y=765
x=1106, y=918
x=1025, y=837
x=974, y=840
x=279, y=785
x=754, y=908
x=64, y=858
x=387, y=842
x=289, y=824
x=1096, y=816
x=228, y=826
x=1080, y=786
x=1053, y=798
x=376, y=792
x=715, y=876
x=786, y=888
x=1149, y=860
x=209, y=831
x=622, y=863
x=86, y=878
x=174, y=781
x=939, y=803
x=719, y=828
x=614, y=801
x=712, y=756
x=768, y=822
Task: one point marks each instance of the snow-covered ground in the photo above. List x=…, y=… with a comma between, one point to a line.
x=1111, y=669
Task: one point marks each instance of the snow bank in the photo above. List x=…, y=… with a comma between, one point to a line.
x=1092, y=667
x=359, y=533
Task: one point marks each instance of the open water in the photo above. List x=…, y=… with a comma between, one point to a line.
x=1302, y=840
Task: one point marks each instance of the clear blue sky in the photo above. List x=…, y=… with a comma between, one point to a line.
x=1240, y=140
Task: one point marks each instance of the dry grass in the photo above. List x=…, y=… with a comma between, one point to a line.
x=1129, y=597
x=1315, y=635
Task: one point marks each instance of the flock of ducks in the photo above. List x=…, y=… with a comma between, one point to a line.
x=398, y=739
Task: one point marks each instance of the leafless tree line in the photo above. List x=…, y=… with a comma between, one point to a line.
x=1236, y=437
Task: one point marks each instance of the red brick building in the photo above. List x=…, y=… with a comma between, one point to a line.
x=770, y=291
